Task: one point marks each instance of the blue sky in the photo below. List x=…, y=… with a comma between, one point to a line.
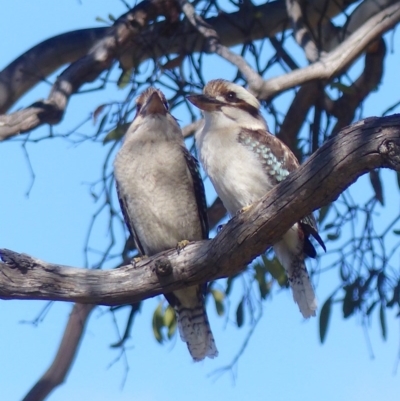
x=284, y=359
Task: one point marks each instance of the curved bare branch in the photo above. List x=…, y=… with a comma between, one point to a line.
x=366, y=145
x=123, y=42
x=42, y=60
x=63, y=360
x=336, y=60
x=88, y=68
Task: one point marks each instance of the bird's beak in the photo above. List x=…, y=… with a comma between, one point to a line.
x=154, y=105
x=204, y=102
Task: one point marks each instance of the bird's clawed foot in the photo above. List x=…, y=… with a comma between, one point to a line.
x=181, y=245
x=244, y=209
x=138, y=259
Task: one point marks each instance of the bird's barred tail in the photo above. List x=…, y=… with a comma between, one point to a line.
x=303, y=291
x=195, y=331
x=299, y=280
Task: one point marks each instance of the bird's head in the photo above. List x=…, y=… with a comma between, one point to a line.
x=152, y=101
x=234, y=101
x=153, y=121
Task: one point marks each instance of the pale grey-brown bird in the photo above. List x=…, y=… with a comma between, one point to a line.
x=163, y=202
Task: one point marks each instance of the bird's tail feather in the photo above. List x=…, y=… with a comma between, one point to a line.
x=195, y=331
x=303, y=291
x=299, y=280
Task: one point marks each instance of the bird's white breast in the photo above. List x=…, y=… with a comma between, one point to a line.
x=235, y=172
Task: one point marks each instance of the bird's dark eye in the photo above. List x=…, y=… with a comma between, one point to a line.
x=166, y=105
x=230, y=96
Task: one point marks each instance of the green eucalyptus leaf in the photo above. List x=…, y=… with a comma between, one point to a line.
x=124, y=79
x=116, y=134
x=382, y=319
x=102, y=20
x=229, y=283
x=240, y=314
x=263, y=286
x=342, y=87
x=276, y=270
x=172, y=329
x=323, y=212
x=158, y=323
x=169, y=316
x=349, y=303
x=219, y=297
x=324, y=317
x=333, y=236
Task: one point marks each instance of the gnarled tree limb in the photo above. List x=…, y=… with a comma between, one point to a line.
x=42, y=60
x=366, y=145
x=88, y=68
x=131, y=44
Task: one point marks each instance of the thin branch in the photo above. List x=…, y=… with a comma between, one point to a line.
x=369, y=144
x=214, y=44
x=234, y=362
x=335, y=61
x=64, y=358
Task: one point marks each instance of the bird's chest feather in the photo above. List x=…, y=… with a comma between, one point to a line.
x=160, y=196
x=234, y=170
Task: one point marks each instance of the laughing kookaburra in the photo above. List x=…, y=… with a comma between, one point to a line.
x=244, y=161
x=163, y=202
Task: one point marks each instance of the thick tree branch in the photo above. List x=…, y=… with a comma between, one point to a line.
x=129, y=43
x=88, y=68
x=301, y=33
x=366, y=145
x=296, y=115
x=42, y=60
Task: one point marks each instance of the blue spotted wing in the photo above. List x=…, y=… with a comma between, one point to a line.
x=279, y=161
